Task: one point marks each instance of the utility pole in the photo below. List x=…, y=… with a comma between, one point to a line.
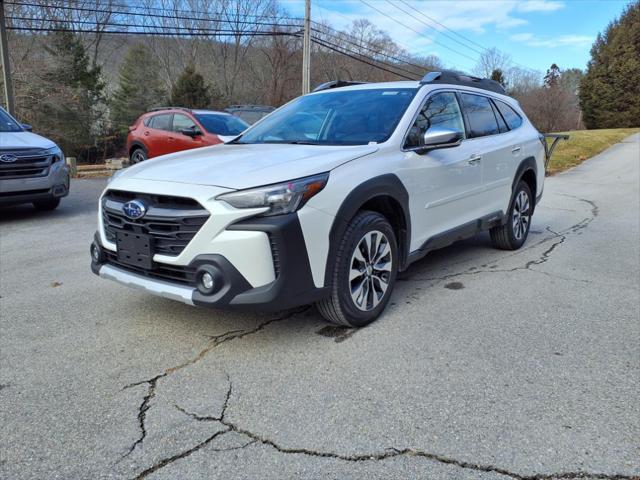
x=306, y=49
x=6, y=66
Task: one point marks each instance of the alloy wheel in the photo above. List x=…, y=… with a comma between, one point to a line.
x=370, y=270
x=521, y=215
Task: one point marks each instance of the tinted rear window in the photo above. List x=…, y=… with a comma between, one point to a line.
x=509, y=114
x=479, y=112
x=161, y=122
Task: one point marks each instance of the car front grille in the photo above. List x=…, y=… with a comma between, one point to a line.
x=29, y=163
x=172, y=222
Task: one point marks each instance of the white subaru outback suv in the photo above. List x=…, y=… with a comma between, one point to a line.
x=326, y=199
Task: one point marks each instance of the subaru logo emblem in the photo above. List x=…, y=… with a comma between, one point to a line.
x=134, y=209
x=8, y=158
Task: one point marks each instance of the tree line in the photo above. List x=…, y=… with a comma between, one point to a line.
x=83, y=87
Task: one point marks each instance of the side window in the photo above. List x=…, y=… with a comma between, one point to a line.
x=180, y=122
x=511, y=117
x=501, y=123
x=440, y=110
x=479, y=112
x=161, y=122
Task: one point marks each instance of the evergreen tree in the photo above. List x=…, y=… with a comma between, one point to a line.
x=498, y=76
x=139, y=88
x=610, y=89
x=69, y=108
x=191, y=91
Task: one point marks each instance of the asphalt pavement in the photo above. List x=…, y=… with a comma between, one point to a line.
x=486, y=365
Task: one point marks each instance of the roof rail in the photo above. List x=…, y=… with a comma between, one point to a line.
x=459, y=78
x=250, y=107
x=335, y=84
x=169, y=108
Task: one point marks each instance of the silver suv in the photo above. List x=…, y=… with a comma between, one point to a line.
x=32, y=168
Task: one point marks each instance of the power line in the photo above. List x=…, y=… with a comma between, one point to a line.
x=320, y=42
x=432, y=27
x=485, y=49
x=443, y=25
x=134, y=25
x=225, y=33
x=145, y=15
x=417, y=31
x=376, y=52
x=373, y=59
x=166, y=31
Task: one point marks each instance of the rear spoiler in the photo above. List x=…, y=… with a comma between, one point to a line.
x=548, y=150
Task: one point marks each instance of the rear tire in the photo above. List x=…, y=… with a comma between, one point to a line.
x=513, y=234
x=138, y=155
x=47, y=205
x=364, y=272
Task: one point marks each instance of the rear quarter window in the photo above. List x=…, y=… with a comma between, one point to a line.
x=509, y=114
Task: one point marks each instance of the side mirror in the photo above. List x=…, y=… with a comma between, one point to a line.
x=440, y=137
x=192, y=132
x=27, y=128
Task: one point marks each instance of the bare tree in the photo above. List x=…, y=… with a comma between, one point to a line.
x=490, y=60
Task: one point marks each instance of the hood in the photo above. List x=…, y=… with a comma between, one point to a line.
x=244, y=166
x=11, y=140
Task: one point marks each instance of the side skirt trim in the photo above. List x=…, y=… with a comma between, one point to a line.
x=462, y=232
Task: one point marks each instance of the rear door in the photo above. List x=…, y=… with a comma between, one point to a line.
x=492, y=149
x=159, y=135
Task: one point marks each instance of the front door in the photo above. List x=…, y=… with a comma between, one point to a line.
x=182, y=141
x=442, y=183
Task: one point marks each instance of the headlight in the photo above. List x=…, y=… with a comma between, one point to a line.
x=281, y=198
x=57, y=154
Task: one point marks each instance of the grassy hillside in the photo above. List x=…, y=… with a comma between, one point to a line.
x=584, y=144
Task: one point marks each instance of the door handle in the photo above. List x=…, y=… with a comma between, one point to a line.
x=516, y=150
x=146, y=133
x=474, y=160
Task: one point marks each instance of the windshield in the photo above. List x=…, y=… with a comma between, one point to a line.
x=222, y=124
x=351, y=117
x=8, y=124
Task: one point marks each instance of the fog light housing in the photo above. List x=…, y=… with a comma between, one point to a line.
x=96, y=253
x=208, y=280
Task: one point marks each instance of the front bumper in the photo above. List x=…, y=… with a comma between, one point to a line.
x=293, y=284
x=31, y=189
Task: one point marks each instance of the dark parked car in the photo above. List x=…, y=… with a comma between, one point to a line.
x=250, y=113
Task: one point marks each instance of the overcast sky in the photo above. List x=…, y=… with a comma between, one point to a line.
x=535, y=33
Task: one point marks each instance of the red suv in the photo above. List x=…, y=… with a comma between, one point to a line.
x=168, y=130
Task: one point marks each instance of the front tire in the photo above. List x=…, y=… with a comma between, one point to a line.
x=47, y=205
x=364, y=272
x=513, y=234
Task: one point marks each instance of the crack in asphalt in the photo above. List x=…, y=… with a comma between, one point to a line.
x=388, y=453
x=214, y=342
x=559, y=237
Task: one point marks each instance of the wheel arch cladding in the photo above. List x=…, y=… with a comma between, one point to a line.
x=384, y=194
x=528, y=172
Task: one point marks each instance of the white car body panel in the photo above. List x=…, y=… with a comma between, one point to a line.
x=445, y=189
